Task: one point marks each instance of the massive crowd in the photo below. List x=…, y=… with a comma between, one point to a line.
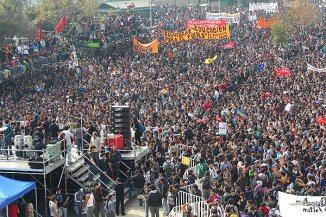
x=267, y=148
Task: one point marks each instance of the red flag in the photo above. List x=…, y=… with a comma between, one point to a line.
x=284, y=72
x=40, y=34
x=229, y=45
x=61, y=24
x=131, y=6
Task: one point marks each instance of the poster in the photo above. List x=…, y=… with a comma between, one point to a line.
x=149, y=48
x=197, y=32
x=222, y=128
x=205, y=23
x=302, y=206
x=312, y=68
x=230, y=18
x=266, y=23
x=267, y=7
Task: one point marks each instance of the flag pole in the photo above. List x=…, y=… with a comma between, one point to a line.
x=150, y=11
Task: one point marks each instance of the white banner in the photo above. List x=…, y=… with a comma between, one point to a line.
x=268, y=7
x=222, y=128
x=312, y=68
x=301, y=206
x=230, y=18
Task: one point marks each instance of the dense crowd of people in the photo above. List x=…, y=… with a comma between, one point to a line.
x=273, y=142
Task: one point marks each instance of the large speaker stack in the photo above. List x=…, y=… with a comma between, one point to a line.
x=121, y=122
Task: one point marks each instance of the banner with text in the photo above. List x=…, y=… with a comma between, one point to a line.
x=312, y=68
x=222, y=128
x=145, y=48
x=205, y=23
x=302, y=206
x=266, y=23
x=230, y=18
x=198, y=32
x=267, y=7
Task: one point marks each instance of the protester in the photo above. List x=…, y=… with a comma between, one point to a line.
x=119, y=193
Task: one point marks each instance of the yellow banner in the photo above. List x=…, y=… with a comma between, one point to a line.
x=185, y=160
x=198, y=32
x=145, y=48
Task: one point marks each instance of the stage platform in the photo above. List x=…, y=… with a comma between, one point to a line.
x=20, y=165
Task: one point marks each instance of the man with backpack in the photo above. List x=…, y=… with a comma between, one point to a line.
x=168, y=168
x=154, y=201
x=206, y=185
x=262, y=211
x=139, y=130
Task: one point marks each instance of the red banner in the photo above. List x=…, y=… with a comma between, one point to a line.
x=61, y=24
x=40, y=34
x=205, y=23
x=229, y=45
x=284, y=72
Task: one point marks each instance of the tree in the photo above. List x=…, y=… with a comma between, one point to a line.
x=14, y=19
x=301, y=14
x=52, y=11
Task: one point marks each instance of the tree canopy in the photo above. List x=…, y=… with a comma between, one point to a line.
x=19, y=18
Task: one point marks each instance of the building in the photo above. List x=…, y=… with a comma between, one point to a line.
x=125, y=6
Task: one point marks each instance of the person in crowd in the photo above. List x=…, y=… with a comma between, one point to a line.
x=116, y=157
x=8, y=134
x=119, y=193
x=89, y=203
x=154, y=201
x=54, y=212
x=93, y=161
x=62, y=203
x=40, y=147
x=69, y=138
x=13, y=210
x=78, y=202
x=96, y=141
x=46, y=126
x=99, y=196
x=54, y=130
x=79, y=135
x=137, y=185
x=110, y=208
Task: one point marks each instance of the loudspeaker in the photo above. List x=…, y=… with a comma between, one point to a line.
x=120, y=118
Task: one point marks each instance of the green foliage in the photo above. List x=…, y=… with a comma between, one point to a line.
x=13, y=19
x=280, y=33
x=53, y=11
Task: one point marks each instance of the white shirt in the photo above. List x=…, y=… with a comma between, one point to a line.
x=52, y=207
x=97, y=143
x=68, y=136
x=90, y=202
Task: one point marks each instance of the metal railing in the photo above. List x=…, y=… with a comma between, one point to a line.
x=98, y=169
x=194, y=169
x=31, y=153
x=198, y=204
x=200, y=208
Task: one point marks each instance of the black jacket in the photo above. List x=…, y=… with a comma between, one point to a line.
x=154, y=198
x=139, y=181
x=119, y=190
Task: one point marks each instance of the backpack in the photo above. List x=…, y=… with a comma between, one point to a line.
x=169, y=168
x=141, y=128
x=272, y=213
x=206, y=184
x=259, y=213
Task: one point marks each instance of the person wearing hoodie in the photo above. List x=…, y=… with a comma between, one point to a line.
x=264, y=209
x=154, y=201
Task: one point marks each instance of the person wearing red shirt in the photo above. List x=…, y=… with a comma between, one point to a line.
x=13, y=210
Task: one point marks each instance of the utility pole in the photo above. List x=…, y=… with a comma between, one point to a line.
x=150, y=11
x=219, y=6
x=175, y=9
